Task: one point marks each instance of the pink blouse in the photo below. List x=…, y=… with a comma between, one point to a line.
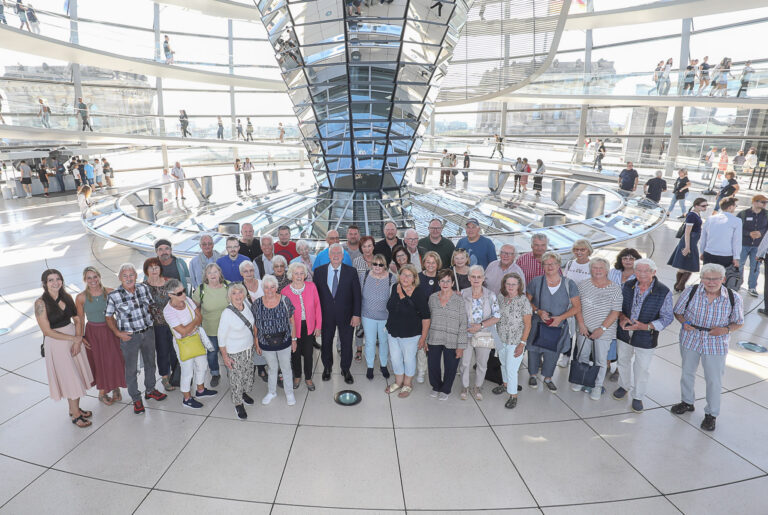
x=312, y=314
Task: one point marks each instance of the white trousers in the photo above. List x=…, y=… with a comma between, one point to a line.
x=481, y=357
x=191, y=369
x=638, y=384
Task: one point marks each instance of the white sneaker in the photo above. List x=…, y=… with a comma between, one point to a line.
x=595, y=394
x=563, y=361
x=268, y=398
x=29, y=195
x=433, y=393
x=290, y=398
x=420, y=378
x=442, y=396
x=575, y=387
x=752, y=292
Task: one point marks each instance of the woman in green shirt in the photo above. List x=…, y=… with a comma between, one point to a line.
x=211, y=298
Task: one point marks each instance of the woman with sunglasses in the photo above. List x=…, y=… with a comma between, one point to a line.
x=376, y=285
x=185, y=319
x=686, y=255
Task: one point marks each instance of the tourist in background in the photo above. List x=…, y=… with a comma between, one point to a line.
x=685, y=257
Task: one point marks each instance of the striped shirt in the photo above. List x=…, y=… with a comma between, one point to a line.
x=597, y=304
x=375, y=295
x=702, y=313
x=530, y=265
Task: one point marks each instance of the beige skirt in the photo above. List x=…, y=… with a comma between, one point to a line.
x=69, y=377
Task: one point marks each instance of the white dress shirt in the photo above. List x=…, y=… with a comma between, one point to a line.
x=721, y=235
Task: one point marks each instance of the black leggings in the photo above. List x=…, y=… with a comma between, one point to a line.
x=304, y=349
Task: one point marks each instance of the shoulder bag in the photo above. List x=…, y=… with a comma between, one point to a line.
x=190, y=346
x=547, y=337
x=584, y=374
x=275, y=339
x=482, y=339
x=681, y=230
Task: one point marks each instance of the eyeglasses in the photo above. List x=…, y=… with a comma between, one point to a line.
x=629, y=258
x=178, y=293
x=713, y=279
x=382, y=265
x=507, y=253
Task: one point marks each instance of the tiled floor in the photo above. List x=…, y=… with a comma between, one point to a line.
x=558, y=454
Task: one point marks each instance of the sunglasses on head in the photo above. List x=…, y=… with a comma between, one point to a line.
x=177, y=294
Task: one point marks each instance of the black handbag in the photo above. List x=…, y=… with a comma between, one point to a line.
x=583, y=373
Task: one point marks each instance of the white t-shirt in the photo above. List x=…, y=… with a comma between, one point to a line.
x=177, y=173
x=577, y=272
x=176, y=317
x=233, y=334
x=98, y=169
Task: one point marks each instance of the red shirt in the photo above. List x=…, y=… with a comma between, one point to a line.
x=530, y=265
x=287, y=251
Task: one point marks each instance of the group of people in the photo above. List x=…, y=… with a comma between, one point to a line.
x=26, y=13
x=91, y=174
x=707, y=75
x=428, y=308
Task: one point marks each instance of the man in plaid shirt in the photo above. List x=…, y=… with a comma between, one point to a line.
x=127, y=316
x=708, y=312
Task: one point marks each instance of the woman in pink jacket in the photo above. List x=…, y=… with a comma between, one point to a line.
x=306, y=303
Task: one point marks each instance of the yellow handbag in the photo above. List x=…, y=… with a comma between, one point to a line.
x=190, y=346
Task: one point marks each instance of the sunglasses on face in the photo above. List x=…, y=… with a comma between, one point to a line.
x=177, y=294
x=382, y=265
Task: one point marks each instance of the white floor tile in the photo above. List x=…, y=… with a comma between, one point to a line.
x=670, y=453
x=421, y=410
x=283, y=509
x=14, y=476
x=572, y=456
x=276, y=412
x=372, y=411
x=232, y=464
x=474, y=451
x=654, y=505
x=62, y=493
x=316, y=462
x=742, y=497
x=18, y=394
x=133, y=449
x=169, y=502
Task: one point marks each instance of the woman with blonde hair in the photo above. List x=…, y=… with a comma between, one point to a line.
x=211, y=298
x=104, y=355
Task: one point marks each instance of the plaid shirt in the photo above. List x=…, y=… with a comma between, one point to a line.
x=703, y=314
x=131, y=310
x=530, y=265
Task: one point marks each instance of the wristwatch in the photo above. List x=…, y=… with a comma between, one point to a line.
x=603, y=328
x=294, y=339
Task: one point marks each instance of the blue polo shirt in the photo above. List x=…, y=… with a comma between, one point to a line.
x=482, y=252
x=231, y=269
x=88, y=171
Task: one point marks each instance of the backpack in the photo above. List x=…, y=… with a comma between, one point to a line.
x=695, y=287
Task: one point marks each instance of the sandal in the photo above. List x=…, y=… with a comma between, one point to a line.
x=310, y=385
x=116, y=395
x=359, y=355
x=405, y=392
x=81, y=422
x=296, y=383
x=106, y=399
x=392, y=388
x=85, y=413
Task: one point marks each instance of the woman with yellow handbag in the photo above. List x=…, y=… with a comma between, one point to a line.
x=184, y=319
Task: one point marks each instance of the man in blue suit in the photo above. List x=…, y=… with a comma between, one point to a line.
x=338, y=287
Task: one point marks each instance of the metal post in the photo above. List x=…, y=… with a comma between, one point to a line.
x=558, y=191
x=231, y=47
x=552, y=219
x=159, y=85
x=584, y=111
x=595, y=205
x=74, y=38
x=146, y=212
x=156, y=198
x=677, y=117
x=206, y=189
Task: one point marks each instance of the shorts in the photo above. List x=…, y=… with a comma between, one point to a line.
x=26, y=180
x=178, y=185
x=44, y=182
x=356, y=3
x=99, y=178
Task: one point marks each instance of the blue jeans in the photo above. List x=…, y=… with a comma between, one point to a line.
x=535, y=356
x=754, y=266
x=213, y=356
x=677, y=200
x=166, y=356
x=403, y=352
x=510, y=366
x=372, y=329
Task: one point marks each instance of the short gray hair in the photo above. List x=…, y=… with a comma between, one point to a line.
x=711, y=268
x=235, y=286
x=646, y=261
x=295, y=266
x=658, y=173
x=411, y=230
x=124, y=267
x=583, y=243
x=245, y=264
x=269, y=280
x=172, y=284
x=334, y=246
x=302, y=244
x=475, y=268
x=552, y=255
x=540, y=236
x=206, y=235
x=279, y=260
x=598, y=260
x=267, y=237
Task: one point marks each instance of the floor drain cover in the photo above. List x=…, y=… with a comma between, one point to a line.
x=754, y=347
x=348, y=398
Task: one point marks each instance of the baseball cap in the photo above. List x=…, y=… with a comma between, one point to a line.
x=472, y=221
x=759, y=198
x=162, y=241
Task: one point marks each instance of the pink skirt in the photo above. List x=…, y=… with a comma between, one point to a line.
x=69, y=377
x=106, y=358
